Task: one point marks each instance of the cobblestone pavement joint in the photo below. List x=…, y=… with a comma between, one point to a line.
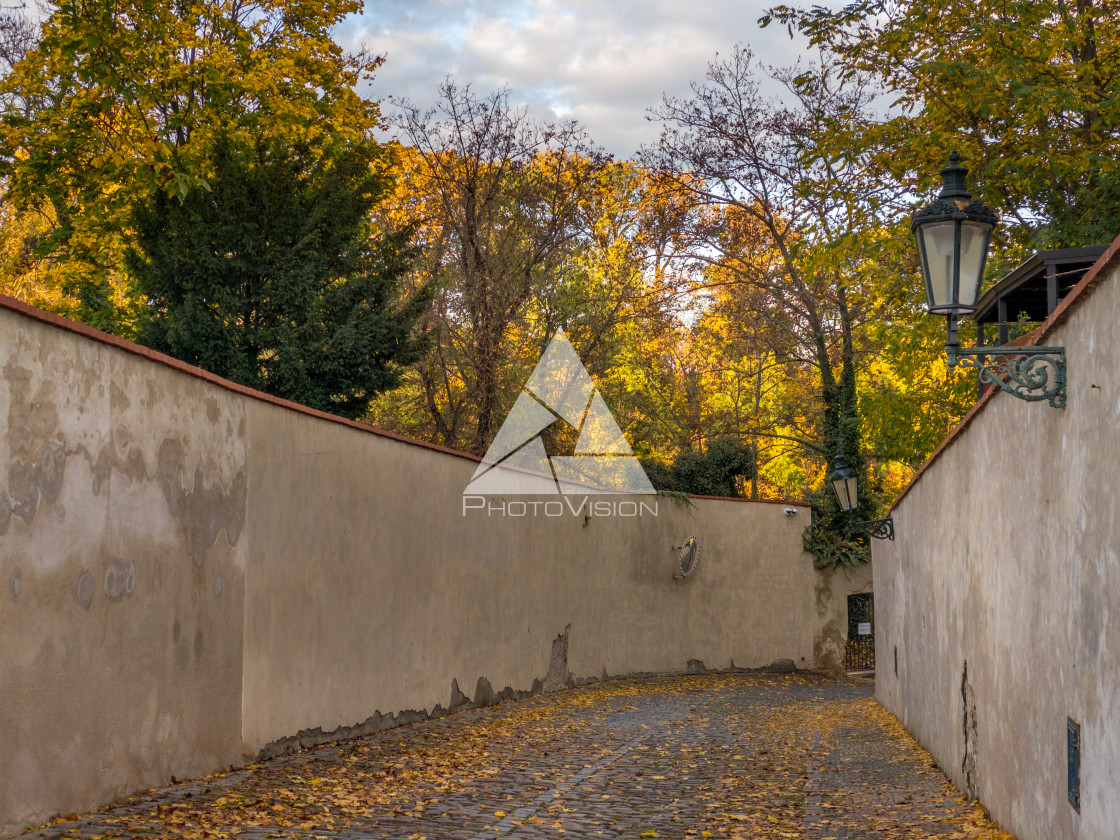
x=733, y=754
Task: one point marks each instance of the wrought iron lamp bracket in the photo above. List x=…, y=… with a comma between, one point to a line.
x=880, y=529
x=1029, y=373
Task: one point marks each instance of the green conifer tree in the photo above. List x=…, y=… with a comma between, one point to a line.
x=272, y=276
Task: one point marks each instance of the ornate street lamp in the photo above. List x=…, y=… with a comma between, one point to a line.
x=845, y=483
x=953, y=235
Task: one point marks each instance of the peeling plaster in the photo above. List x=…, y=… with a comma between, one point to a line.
x=828, y=642
x=205, y=509
x=558, y=674
x=38, y=460
x=120, y=579
x=84, y=590
x=968, y=725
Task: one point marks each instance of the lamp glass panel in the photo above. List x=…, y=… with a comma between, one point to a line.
x=937, y=241
x=845, y=489
x=974, y=250
x=923, y=261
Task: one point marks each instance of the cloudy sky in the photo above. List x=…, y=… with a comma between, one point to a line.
x=601, y=62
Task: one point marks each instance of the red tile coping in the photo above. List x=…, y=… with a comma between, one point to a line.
x=132, y=347
x=1077, y=295
x=786, y=502
x=41, y=315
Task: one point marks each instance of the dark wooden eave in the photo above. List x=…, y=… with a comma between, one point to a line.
x=1034, y=288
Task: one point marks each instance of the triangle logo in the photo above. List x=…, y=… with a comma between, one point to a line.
x=559, y=388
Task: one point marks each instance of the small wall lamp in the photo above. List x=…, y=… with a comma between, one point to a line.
x=845, y=483
x=953, y=235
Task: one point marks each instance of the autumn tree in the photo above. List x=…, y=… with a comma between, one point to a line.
x=754, y=388
x=24, y=273
x=497, y=198
x=720, y=469
x=1025, y=91
x=775, y=217
x=117, y=102
x=625, y=303
x=614, y=287
x=29, y=270
x=18, y=36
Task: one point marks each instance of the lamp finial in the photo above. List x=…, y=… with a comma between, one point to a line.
x=953, y=179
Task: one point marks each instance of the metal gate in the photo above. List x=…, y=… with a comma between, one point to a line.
x=859, y=653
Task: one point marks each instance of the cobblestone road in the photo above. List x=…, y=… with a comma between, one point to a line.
x=740, y=755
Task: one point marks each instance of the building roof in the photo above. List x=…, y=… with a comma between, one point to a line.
x=1036, y=286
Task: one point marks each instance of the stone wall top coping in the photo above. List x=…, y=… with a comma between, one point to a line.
x=1077, y=295
x=94, y=334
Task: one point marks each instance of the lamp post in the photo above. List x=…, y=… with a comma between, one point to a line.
x=845, y=483
x=952, y=235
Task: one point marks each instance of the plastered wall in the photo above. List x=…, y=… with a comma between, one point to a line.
x=195, y=575
x=1001, y=595
x=123, y=492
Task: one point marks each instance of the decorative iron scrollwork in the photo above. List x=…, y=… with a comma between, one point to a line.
x=880, y=529
x=1029, y=373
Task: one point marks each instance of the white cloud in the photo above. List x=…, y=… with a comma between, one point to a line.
x=603, y=62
